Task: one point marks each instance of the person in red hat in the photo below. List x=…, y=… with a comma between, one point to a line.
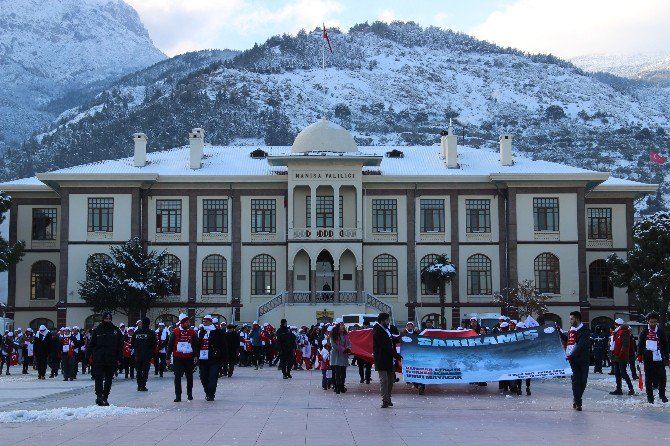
x=211, y=348
x=182, y=345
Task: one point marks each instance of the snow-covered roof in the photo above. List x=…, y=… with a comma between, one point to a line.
x=417, y=162
x=324, y=135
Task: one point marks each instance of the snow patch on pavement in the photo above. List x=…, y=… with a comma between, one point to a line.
x=69, y=413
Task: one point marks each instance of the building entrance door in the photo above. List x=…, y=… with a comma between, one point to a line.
x=325, y=273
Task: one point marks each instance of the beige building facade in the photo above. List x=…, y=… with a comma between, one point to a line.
x=325, y=228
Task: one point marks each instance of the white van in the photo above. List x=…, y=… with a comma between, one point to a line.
x=6, y=324
x=350, y=320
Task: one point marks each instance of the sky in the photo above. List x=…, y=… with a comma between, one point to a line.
x=566, y=28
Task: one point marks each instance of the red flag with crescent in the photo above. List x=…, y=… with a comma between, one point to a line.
x=325, y=36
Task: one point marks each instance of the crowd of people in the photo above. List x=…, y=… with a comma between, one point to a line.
x=215, y=348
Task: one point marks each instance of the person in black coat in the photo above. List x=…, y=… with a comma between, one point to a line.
x=106, y=349
x=286, y=344
x=211, y=348
x=384, y=353
x=232, y=341
x=578, y=354
x=54, y=354
x=653, y=352
x=41, y=350
x=143, y=344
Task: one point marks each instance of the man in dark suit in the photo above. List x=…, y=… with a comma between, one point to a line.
x=653, y=352
x=384, y=353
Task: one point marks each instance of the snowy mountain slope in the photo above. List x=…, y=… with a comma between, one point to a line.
x=48, y=48
x=389, y=84
x=654, y=68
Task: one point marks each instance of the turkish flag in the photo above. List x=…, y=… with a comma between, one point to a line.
x=656, y=158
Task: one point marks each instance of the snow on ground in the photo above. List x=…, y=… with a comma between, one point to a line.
x=68, y=413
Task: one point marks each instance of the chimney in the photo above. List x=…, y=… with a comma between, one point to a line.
x=449, y=145
x=196, y=140
x=506, y=150
x=140, y=158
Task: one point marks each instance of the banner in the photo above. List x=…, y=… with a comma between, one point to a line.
x=529, y=353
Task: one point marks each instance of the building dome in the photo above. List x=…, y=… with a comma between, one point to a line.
x=324, y=136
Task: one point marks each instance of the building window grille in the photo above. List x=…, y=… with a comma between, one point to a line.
x=45, y=224
x=478, y=216
x=432, y=215
x=479, y=275
x=547, y=273
x=172, y=261
x=600, y=285
x=545, y=214
x=600, y=223
x=263, y=273
x=263, y=215
x=324, y=211
x=93, y=260
x=214, y=216
x=426, y=261
x=385, y=272
x=168, y=216
x=43, y=281
x=214, y=275
x=385, y=215
x=100, y=214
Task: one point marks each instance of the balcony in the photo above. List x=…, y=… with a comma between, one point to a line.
x=384, y=237
x=547, y=236
x=218, y=237
x=325, y=234
x=599, y=243
x=432, y=237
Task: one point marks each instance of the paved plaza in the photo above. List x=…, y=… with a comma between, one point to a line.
x=259, y=407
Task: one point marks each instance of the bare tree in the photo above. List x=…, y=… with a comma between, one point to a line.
x=524, y=299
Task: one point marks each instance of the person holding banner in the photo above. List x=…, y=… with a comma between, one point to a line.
x=653, y=352
x=577, y=353
x=384, y=353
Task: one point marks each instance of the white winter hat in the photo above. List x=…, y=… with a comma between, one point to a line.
x=501, y=318
x=161, y=324
x=42, y=327
x=76, y=327
x=182, y=317
x=200, y=326
x=67, y=329
x=619, y=321
x=473, y=318
x=339, y=320
x=209, y=316
x=324, y=342
x=520, y=325
x=18, y=329
x=330, y=328
x=11, y=333
x=122, y=324
x=460, y=329
x=215, y=320
x=255, y=323
x=504, y=324
x=29, y=329
x=514, y=321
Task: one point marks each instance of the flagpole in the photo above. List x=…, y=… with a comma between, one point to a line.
x=323, y=82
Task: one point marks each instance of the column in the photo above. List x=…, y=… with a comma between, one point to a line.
x=289, y=284
x=455, y=249
x=192, y=245
x=359, y=211
x=581, y=255
x=312, y=283
x=289, y=211
x=336, y=210
x=336, y=283
x=312, y=210
x=411, y=251
x=359, y=283
x=236, y=233
x=61, y=309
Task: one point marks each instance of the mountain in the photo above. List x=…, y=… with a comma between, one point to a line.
x=52, y=53
x=653, y=68
x=389, y=84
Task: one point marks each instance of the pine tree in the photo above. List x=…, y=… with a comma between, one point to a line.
x=10, y=254
x=436, y=276
x=131, y=280
x=646, y=269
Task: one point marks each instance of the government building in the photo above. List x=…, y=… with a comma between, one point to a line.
x=325, y=228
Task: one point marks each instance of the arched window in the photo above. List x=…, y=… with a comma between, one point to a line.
x=263, y=272
x=604, y=322
x=167, y=319
x=426, y=261
x=547, y=273
x=214, y=275
x=35, y=324
x=92, y=320
x=171, y=261
x=94, y=259
x=385, y=275
x=43, y=281
x=599, y=280
x=479, y=275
